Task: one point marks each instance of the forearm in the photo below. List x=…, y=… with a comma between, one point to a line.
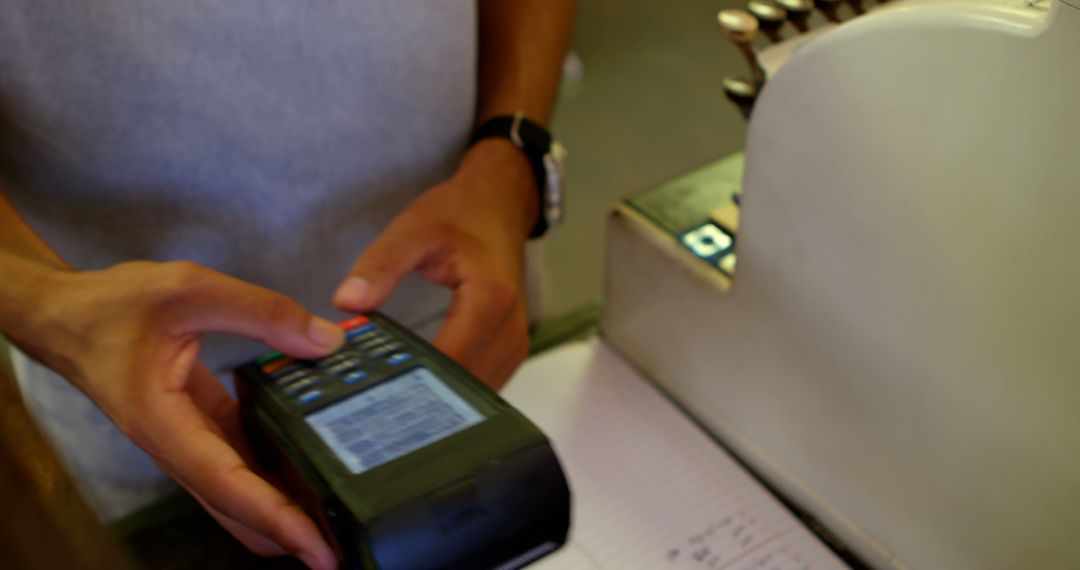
x=522, y=46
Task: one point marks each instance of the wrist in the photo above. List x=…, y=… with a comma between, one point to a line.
x=28, y=294
x=545, y=156
x=509, y=179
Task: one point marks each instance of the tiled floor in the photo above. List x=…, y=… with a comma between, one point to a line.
x=648, y=108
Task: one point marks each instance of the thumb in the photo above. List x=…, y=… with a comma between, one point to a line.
x=373, y=277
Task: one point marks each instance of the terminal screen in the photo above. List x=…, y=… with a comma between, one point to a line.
x=393, y=419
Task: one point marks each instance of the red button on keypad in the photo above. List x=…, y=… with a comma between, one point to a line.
x=355, y=322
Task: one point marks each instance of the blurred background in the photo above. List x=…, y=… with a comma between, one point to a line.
x=649, y=106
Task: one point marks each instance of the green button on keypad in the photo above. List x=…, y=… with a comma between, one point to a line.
x=268, y=357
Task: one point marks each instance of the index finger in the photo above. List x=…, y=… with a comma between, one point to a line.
x=199, y=300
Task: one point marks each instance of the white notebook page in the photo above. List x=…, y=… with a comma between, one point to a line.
x=651, y=490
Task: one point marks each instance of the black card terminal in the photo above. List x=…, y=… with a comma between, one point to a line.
x=404, y=459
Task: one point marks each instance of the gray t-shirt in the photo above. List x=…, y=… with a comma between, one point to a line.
x=271, y=140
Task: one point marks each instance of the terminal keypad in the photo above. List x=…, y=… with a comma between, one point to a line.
x=369, y=354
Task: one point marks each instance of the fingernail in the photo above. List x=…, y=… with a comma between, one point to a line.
x=353, y=292
x=325, y=333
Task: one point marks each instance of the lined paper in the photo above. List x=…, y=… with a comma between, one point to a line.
x=651, y=490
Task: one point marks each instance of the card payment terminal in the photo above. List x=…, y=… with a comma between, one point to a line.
x=404, y=459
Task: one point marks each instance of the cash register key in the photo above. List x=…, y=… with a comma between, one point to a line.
x=355, y=322
x=328, y=361
x=268, y=358
x=290, y=378
x=309, y=397
x=355, y=376
x=296, y=387
x=276, y=365
x=287, y=370
x=343, y=366
x=798, y=12
x=399, y=358
x=358, y=332
x=385, y=349
x=363, y=338
x=373, y=341
x=357, y=326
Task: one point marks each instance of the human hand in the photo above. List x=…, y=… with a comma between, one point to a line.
x=129, y=336
x=468, y=234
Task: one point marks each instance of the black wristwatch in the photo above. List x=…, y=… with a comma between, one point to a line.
x=546, y=156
